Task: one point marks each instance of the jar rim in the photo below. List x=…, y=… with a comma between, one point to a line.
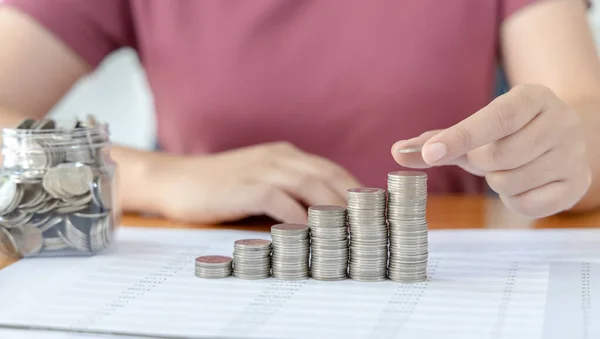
x=78, y=131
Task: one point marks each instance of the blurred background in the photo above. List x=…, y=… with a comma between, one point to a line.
x=119, y=94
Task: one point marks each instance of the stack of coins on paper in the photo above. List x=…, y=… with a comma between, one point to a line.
x=368, y=234
x=213, y=266
x=329, y=242
x=407, y=200
x=252, y=259
x=291, y=251
x=387, y=232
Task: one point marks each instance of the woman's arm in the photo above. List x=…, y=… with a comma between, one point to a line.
x=550, y=44
x=275, y=179
x=36, y=71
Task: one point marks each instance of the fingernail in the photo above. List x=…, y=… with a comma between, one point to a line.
x=434, y=152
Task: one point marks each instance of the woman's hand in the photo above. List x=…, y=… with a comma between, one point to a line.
x=277, y=180
x=528, y=144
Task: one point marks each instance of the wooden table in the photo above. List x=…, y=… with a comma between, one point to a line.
x=443, y=212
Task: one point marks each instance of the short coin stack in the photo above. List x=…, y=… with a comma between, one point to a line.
x=252, y=259
x=407, y=200
x=213, y=266
x=329, y=242
x=368, y=234
x=291, y=250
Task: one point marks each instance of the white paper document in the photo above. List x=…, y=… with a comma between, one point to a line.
x=482, y=284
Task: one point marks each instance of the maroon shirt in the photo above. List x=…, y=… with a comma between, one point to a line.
x=342, y=79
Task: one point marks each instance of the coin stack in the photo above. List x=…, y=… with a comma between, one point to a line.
x=329, y=242
x=213, y=266
x=56, y=188
x=252, y=259
x=406, y=214
x=291, y=251
x=368, y=234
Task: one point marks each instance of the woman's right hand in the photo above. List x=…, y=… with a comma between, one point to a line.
x=276, y=179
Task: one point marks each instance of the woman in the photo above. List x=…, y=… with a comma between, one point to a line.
x=264, y=107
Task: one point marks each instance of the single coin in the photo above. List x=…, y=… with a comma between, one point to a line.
x=214, y=259
x=289, y=227
x=51, y=224
x=102, y=191
x=79, y=200
x=327, y=208
x=75, y=179
x=14, y=219
x=33, y=194
x=8, y=193
x=8, y=245
x=44, y=124
x=366, y=190
x=67, y=123
x=410, y=150
x=26, y=124
x=405, y=174
x=91, y=120
x=253, y=242
x=29, y=239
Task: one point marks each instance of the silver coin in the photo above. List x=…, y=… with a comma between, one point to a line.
x=8, y=245
x=43, y=124
x=74, y=237
x=26, y=124
x=8, y=195
x=68, y=209
x=52, y=221
x=74, y=179
x=54, y=244
x=81, y=200
x=102, y=191
x=14, y=219
x=98, y=234
x=29, y=239
x=417, y=149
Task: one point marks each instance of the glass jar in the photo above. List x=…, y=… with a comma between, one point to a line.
x=57, y=189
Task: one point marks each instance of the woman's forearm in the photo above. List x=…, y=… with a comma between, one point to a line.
x=138, y=174
x=589, y=109
x=137, y=190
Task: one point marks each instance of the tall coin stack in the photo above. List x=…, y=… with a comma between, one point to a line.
x=329, y=242
x=406, y=214
x=368, y=234
x=252, y=259
x=291, y=250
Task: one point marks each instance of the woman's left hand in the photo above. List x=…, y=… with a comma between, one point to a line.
x=527, y=143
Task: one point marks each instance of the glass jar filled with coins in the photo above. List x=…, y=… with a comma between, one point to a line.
x=57, y=189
